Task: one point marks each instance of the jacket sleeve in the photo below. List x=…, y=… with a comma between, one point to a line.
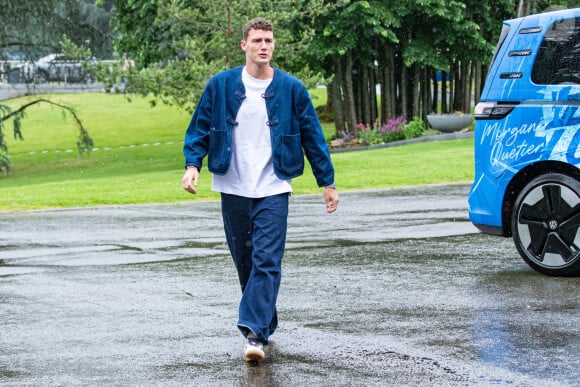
x=195, y=145
x=313, y=141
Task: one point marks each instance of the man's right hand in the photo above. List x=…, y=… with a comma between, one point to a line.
x=191, y=175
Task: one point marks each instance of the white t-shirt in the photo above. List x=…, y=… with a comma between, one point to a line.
x=251, y=172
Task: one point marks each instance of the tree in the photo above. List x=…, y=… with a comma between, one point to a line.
x=353, y=45
x=38, y=27
x=84, y=141
x=528, y=7
x=400, y=46
x=178, y=45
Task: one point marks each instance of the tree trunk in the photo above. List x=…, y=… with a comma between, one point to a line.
x=416, y=101
x=373, y=92
x=357, y=90
x=388, y=94
x=456, y=88
x=365, y=94
x=349, y=94
x=477, y=75
x=329, y=105
x=426, y=90
x=466, y=86
x=229, y=30
x=434, y=102
x=451, y=86
x=403, y=96
x=382, y=82
x=336, y=87
x=444, y=97
x=520, y=8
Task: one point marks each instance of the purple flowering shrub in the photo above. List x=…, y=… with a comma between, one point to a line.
x=395, y=129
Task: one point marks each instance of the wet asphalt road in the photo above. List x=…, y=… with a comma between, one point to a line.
x=396, y=288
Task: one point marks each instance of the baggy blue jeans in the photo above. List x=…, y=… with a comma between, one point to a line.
x=255, y=230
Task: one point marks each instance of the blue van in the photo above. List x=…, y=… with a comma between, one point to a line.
x=527, y=142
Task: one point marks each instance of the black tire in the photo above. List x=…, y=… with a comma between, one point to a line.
x=545, y=224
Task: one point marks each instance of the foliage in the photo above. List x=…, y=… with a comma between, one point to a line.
x=74, y=51
x=398, y=45
x=35, y=28
x=414, y=129
x=349, y=24
x=179, y=45
x=84, y=141
x=396, y=129
x=441, y=40
x=378, y=133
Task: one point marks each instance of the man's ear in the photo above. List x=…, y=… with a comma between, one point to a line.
x=243, y=45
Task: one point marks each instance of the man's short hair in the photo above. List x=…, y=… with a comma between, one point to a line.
x=258, y=23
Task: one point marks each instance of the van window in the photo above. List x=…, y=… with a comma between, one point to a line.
x=558, y=60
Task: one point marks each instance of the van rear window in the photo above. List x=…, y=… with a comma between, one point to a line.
x=558, y=59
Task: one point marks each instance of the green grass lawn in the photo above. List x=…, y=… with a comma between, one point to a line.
x=138, y=158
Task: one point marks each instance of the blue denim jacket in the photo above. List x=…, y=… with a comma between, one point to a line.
x=294, y=127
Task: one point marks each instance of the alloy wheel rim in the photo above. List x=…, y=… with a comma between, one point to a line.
x=548, y=225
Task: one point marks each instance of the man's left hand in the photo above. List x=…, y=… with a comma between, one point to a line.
x=331, y=199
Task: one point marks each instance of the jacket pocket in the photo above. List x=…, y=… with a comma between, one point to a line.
x=218, y=156
x=292, y=163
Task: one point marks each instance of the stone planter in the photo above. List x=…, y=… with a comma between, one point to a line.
x=448, y=123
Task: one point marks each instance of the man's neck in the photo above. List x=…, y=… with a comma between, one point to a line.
x=260, y=72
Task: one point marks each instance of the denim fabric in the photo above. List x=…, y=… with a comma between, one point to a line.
x=294, y=127
x=256, y=234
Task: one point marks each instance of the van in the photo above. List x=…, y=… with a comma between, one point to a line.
x=527, y=142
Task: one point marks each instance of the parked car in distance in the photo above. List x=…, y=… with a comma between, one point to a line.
x=527, y=142
x=53, y=68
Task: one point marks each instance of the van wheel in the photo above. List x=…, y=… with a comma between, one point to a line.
x=545, y=224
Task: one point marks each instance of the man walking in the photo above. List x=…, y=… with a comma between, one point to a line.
x=255, y=123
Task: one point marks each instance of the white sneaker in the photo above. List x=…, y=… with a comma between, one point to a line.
x=254, y=351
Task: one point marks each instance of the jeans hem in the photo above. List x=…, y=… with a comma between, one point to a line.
x=245, y=330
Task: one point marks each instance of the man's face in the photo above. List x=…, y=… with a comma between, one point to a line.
x=259, y=47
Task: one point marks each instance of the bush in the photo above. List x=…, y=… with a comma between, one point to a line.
x=414, y=129
x=377, y=133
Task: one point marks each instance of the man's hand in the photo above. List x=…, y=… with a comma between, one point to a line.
x=191, y=174
x=331, y=199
